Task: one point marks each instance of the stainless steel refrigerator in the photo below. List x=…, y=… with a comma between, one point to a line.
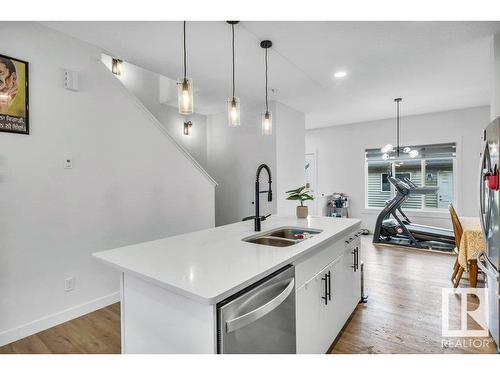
x=489, y=203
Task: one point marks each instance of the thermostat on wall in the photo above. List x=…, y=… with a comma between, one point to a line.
x=70, y=80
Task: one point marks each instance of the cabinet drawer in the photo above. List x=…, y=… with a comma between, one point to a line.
x=310, y=265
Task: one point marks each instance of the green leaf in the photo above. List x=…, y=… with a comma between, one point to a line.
x=298, y=190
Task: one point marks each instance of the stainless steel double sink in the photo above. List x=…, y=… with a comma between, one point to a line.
x=283, y=237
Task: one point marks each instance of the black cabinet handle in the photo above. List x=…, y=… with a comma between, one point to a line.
x=325, y=297
x=329, y=286
x=355, y=265
x=354, y=260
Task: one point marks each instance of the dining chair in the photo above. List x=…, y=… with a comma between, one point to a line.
x=458, y=270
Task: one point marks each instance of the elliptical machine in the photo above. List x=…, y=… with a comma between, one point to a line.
x=395, y=230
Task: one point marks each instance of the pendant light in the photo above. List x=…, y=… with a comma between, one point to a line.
x=233, y=103
x=266, y=118
x=388, y=149
x=185, y=87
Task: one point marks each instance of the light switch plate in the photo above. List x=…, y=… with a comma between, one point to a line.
x=68, y=163
x=69, y=284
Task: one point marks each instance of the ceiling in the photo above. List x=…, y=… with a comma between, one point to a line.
x=434, y=66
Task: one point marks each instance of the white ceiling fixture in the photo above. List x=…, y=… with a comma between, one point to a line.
x=340, y=74
x=427, y=62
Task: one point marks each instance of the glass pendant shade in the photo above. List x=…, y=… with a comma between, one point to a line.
x=233, y=112
x=387, y=148
x=185, y=96
x=267, y=123
x=413, y=153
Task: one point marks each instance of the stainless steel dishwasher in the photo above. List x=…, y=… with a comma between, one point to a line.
x=261, y=318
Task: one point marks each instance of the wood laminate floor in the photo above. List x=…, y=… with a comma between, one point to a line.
x=97, y=332
x=403, y=313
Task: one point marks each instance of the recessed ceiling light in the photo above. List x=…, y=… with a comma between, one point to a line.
x=340, y=74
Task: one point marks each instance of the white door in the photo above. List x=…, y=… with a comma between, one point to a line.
x=310, y=177
x=445, y=192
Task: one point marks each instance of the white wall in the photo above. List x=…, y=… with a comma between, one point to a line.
x=145, y=85
x=233, y=157
x=290, y=154
x=235, y=153
x=130, y=183
x=341, y=159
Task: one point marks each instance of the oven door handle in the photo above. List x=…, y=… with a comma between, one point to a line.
x=486, y=266
x=259, y=312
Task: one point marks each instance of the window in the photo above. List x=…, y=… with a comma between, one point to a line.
x=433, y=167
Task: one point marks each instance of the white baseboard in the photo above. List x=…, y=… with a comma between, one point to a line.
x=52, y=320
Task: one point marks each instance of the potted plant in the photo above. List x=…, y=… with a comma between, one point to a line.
x=300, y=194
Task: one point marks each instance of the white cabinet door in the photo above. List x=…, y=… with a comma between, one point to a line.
x=319, y=321
x=350, y=280
x=345, y=291
x=318, y=310
x=334, y=309
x=311, y=315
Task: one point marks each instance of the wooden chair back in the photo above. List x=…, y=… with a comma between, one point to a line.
x=457, y=227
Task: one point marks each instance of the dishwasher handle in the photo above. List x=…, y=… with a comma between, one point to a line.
x=252, y=316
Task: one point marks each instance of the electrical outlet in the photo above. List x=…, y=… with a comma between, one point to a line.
x=69, y=284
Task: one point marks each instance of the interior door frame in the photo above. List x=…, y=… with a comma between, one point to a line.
x=314, y=177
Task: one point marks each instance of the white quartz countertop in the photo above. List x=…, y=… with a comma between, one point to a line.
x=210, y=265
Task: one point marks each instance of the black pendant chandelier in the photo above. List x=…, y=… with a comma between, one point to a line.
x=391, y=152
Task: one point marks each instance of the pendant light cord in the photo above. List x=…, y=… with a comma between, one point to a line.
x=185, y=65
x=232, y=29
x=267, y=109
x=397, y=100
x=397, y=116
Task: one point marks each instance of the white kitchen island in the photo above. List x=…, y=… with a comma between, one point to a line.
x=171, y=286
